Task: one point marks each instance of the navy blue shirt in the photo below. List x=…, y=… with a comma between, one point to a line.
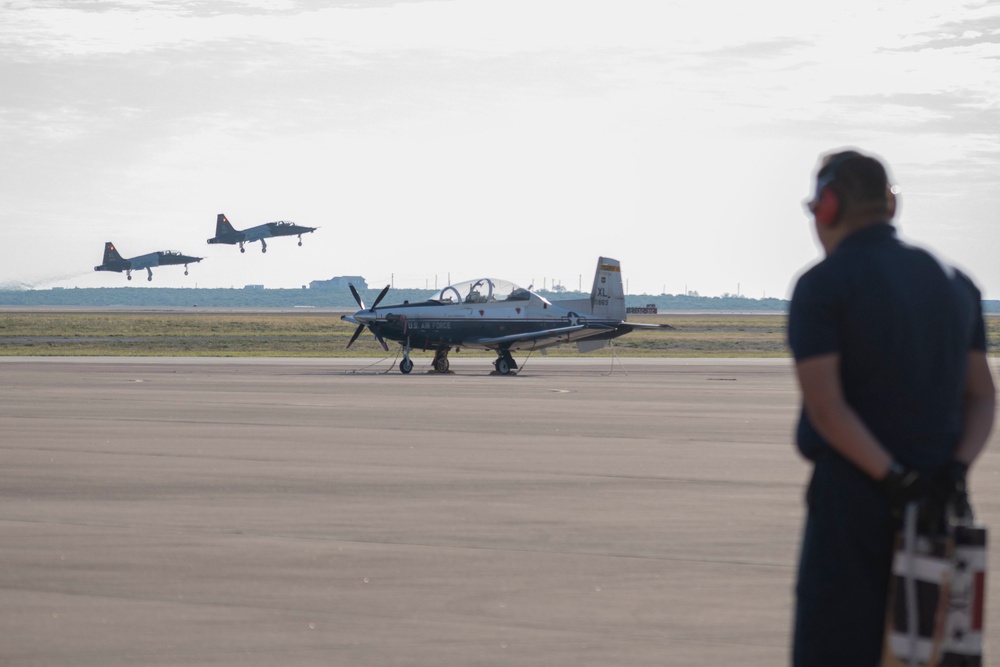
x=903, y=324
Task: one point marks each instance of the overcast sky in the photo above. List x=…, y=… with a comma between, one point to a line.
x=508, y=138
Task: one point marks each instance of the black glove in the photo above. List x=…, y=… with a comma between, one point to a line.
x=902, y=485
x=951, y=489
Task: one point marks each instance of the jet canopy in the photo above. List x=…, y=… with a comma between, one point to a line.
x=484, y=290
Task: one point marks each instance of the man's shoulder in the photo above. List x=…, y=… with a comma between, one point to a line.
x=958, y=278
x=821, y=276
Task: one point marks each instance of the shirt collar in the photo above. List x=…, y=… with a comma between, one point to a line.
x=877, y=232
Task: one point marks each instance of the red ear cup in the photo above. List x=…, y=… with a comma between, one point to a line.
x=827, y=207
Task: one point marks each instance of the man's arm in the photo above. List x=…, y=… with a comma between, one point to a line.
x=979, y=400
x=835, y=420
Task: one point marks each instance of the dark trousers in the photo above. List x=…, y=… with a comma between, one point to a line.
x=844, y=568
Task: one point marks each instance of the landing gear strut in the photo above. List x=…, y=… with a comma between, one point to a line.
x=505, y=363
x=406, y=365
x=263, y=245
x=440, y=363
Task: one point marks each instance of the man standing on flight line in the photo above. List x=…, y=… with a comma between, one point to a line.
x=898, y=401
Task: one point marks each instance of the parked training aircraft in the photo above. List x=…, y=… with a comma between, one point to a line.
x=224, y=232
x=498, y=315
x=115, y=262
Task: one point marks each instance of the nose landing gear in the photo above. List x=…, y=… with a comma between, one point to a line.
x=406, y=365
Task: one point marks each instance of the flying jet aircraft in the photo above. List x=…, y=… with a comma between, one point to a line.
x=224, y=232
x=115, y=262
x=498, y=315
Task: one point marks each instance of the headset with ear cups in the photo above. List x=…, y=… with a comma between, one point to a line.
x=825, y=204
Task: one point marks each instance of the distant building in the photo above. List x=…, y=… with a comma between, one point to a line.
x=340, y=282
x=253, y=287
x=648, y=309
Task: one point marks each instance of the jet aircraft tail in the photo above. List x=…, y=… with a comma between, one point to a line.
x=111, y=255
x=223, y=226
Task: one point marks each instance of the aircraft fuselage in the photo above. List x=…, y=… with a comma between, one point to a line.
x=260, y=232
x=484, y=326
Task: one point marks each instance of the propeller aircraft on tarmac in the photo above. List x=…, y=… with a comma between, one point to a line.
x=115, y=262
x=224, y=232
x=498, y=315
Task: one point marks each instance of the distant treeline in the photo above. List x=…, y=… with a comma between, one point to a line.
x=162, y=297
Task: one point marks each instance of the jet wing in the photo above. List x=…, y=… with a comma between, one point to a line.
x=536, y=336
x=168, y=257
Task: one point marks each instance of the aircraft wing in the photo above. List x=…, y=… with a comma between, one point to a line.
x=632, y=326
x=536, y=336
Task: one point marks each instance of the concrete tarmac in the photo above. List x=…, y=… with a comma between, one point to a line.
x=316, y=512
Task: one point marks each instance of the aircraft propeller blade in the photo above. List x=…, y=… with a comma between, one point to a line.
x=379, y=297
x=357, y=332
x=380, y=339
x=361, y=327
x=357, y=297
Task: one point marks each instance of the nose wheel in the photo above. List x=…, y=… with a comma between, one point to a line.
x=406, y=365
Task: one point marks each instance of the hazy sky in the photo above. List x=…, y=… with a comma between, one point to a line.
x=509, y=138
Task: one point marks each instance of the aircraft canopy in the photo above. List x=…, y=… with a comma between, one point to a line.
x=483, y=290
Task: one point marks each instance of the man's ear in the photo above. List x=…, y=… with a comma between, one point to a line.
x=891, y=202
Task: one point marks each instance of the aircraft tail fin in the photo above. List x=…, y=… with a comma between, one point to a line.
x=111, y=255
x=223, y=226
x=607, y=298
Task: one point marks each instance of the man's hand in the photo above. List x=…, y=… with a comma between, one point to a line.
x=903, y=484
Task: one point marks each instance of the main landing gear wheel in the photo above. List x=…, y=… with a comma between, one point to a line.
x=405, y=366
x=440, y=362
x=505, y=363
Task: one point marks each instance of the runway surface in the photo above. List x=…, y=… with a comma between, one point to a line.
x=294, y=512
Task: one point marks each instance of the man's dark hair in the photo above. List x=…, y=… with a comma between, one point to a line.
x=855, y=176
